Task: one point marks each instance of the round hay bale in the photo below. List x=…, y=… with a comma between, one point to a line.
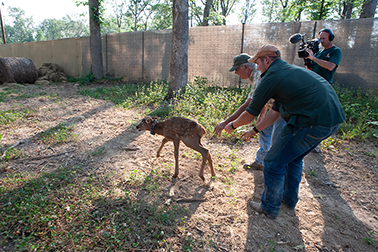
x=51, y=72
x=19, y=70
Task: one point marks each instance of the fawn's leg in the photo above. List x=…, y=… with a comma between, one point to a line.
x=176, y=143
x=165, y=140
x=196, y=145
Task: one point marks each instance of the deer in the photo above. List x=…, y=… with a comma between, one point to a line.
x=178, y=129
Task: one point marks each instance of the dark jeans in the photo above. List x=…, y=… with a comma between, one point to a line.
x=283, y=164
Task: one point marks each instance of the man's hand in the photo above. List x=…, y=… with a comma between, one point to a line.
x=248, y=135
x=218, y=129
x=310, y=54
x=228, y=128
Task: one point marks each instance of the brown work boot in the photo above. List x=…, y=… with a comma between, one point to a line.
x=254, y=166
x=257, y=207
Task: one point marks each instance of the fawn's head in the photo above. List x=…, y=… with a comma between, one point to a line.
x=146, y=123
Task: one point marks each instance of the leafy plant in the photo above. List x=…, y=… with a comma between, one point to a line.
x=11, y=153
x=370, y=239
x=83, y=81
x=58, y=134
x=8, y=116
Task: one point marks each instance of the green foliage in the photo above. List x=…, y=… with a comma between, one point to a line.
x=370, y=239
x=361, y=111
x=66, y=27
x=61, y=209
x=58, y=134
x=209, y=105
x=131, y=95
x=83, y=81
x=22, y=29
x=8, y=116
x=12, y=153
x=302, y=10
x=163, y=16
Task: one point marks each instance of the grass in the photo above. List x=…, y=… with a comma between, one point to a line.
x=209, y=105
x=60, y=210
x=58, y=135
x=9, y=116
x=70, y=208
x=361, y=111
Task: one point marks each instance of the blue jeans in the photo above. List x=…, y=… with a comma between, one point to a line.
x=266, y=137
x=283, y=164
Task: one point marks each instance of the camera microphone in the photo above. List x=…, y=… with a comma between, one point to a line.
x=295, y=38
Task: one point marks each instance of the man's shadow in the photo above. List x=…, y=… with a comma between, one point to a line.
x=342, y=228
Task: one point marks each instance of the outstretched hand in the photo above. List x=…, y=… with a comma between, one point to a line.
x=228, y=129
x=248, y=135
x=218, y=129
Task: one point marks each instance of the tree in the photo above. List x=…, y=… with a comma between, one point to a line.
x=95, y=38
x=22, y=29
x=119, y=13
x=206, y=12
x=226, y=7
x=135, y=9
x=248, y=11
x=162, y=18
x=178, y=71
x=368, y=8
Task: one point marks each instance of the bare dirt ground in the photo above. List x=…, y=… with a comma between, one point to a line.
x=337, y=210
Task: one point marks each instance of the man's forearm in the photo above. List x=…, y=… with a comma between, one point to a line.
x=244, y=119
x=324, y=64
x=268, y=120
x=238, y=112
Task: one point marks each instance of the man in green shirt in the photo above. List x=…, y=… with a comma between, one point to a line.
x=312, y=111
x=328, y=59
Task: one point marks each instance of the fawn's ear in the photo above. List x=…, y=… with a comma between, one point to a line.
x=148, y=119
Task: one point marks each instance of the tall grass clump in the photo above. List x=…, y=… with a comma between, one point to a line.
x=361, y=111
x=207, y=104
x=210, y=104
x=130, y=95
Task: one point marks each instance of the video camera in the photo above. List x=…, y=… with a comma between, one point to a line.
x=310, y=44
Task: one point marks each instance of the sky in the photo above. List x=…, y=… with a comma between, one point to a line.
x=44, y=9
x=48, y=9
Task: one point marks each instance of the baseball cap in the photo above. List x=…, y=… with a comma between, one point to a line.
x=265, y=50
x=239, y=60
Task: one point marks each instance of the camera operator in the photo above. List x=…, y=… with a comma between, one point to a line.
x=326, y=60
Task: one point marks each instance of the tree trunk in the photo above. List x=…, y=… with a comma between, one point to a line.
x=20, y=70
x=368, y=8
x=206, y=12
x=349, y=8
x=95, y=40
x=321, y=10
x=178, y=71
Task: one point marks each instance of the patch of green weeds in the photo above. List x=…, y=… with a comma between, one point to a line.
x=58, y=134
x=331, y=143
x=312, y=173
x=370, y=240
x=99, y=151
x=133, y=95
x=63, y=209
x=361, y=111
x=83, y=81
x=8, y=116
x=3, y=95
x=12, y=153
